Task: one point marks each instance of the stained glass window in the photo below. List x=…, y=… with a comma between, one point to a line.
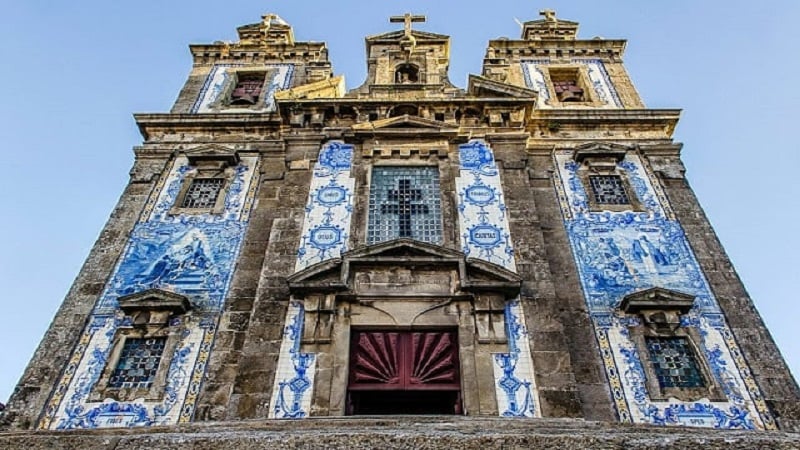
x=405, y=202
x=608, y=190
x=674, y=362
x=203, y=193
x=138, y=363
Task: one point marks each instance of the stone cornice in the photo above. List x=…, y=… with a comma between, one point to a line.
x=596, y=48
x=234, y=52
x=149, y=123
x=567, y=119
x=417, y=101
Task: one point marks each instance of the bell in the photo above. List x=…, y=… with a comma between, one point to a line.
x=244, y=99
x=571, y=96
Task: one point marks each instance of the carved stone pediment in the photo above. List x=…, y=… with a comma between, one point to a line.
x=593, y=152
x=485, y=87
x=154, y=299
x=405, y=124
x=659, y=308
x=214, y=153
x=405, y=267
x=153, y=307
x=657, y=299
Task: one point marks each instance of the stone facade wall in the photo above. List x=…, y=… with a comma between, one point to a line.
x=780, y=390
x=565, y=305
x=537, y=336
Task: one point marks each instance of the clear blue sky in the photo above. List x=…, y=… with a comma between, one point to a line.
x=74, y=72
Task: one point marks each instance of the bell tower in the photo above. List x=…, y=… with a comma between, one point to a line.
x=407, y=63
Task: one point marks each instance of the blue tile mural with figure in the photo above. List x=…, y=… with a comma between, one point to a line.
x=484, y=232
x=188, y=254
x=621, y=252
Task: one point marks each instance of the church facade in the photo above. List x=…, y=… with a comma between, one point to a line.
x=527, y=247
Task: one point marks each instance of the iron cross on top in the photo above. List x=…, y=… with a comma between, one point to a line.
x=407, y=19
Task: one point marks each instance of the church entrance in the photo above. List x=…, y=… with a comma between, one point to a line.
x=404, y=372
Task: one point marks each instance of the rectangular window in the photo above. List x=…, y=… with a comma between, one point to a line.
x=674, y=362
x=248, y=87
x=404, y=202
x=608, y=190
x=203, y=193
x=567, y=84
x=138, y=363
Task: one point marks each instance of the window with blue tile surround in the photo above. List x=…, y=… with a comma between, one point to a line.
x=138, y=363
x=405, y=202
x=674, y=362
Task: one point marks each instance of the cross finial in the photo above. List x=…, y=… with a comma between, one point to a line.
x=549, y=15
x=266, y=23
x=407, y=19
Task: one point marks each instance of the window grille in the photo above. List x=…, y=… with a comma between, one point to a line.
x=138, y=363
x=608, y=190
x=203, y=193
x=674, y=362
x=405, y=202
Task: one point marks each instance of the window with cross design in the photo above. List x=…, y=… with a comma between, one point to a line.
x=405, y=202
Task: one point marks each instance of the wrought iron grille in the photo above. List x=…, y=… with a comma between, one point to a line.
x=203, y=193
x=608, y=190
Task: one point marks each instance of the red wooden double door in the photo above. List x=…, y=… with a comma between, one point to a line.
x=404, y=372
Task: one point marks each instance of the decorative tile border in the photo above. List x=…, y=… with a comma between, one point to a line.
x=218, y=78
x=622, y=252
x=193, y=255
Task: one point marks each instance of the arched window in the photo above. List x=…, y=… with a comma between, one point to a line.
x=406, y=74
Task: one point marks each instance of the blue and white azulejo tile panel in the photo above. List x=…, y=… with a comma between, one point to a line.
x=484, y=233
x=326, y=227
x=294, y=376
x=221, y=76
x=515, y=386
x=482, y=218
x=533, y=71
x=618, y=253
x=190, y=254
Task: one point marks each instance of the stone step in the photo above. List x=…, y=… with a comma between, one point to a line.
x=402, y=432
